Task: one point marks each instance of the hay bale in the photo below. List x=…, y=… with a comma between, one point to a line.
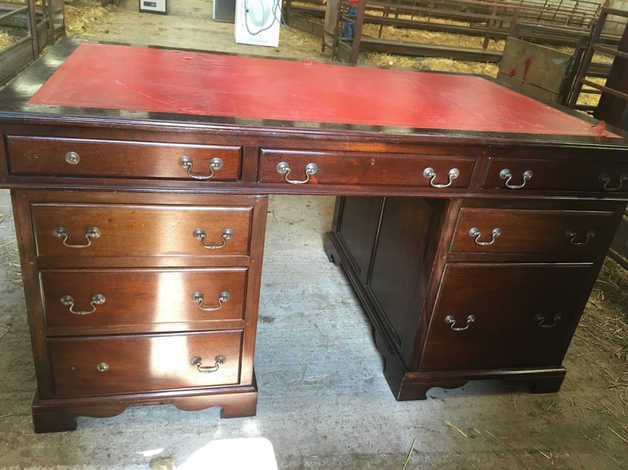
x=80, y=15
x=7, y=39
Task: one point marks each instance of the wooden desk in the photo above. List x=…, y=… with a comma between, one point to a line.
x=472, y=223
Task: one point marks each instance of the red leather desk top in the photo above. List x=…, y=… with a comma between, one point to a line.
x=169, y=81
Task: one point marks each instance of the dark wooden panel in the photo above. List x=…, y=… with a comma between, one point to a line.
x=358, y=226
x=141, y=230
x=30, y=155
x=398, y=279
x=14, y=58
x=538, y=70
x=556, y=234
x=366, y=169
x=142, y=363
x=505, y=301
x=142, y=297
x=619, y=247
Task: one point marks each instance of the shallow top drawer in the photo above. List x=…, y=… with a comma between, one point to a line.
x=79, y=230
x=114, y=158
x=521, y=174
x=562, y=233
x=305, y=167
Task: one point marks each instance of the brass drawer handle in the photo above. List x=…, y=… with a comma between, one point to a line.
x=451, y=321
x=541, y=320
x=573, y=237
x=218, y=361
x=606, y=180
x=200, y=234
x=283, y=168
x=476, y=235
x=72, y=158
x=91, y=233
x=199, y=298
x=506, y=174
x=214, y=164
x=430, y=174
x=68, y=301
x=102, y=367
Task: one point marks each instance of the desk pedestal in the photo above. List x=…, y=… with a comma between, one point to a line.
x=448, y=305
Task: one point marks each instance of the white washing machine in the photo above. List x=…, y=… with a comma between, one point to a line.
x=257, y=22
x=154, y=6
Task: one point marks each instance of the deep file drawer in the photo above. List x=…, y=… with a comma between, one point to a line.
x=126, y=364
x=505, y=315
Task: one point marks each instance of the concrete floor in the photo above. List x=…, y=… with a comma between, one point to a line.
x=323, y=401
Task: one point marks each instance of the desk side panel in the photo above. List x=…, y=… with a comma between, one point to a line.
x=4, y=171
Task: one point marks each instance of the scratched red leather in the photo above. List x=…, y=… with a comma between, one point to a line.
x=145, y=79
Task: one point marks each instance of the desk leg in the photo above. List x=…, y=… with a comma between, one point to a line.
x=51, y=419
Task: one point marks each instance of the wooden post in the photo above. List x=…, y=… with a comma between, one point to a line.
x=542, y=11
x=287, y=9
x=583, y=66
x=514, y=24
x=570, y=17
x=489, y=24
x=357, y=36
x=48, y=15
x=32, y=25
x=612, y=108
x=557, y=9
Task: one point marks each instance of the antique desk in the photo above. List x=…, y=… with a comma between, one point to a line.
x=472, y=221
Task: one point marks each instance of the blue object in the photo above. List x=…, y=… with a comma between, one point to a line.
x=348, y=30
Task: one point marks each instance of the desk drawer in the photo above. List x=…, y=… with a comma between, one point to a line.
x=520, y=174
x=111, y=158
x=284, y=166
x=87, y=230
x=127, y=364
x=555, y=233
x=82, y=300
x=506, y=315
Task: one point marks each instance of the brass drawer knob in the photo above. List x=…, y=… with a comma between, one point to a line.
x=214, y=165
x=283, y=168
x=102, y=367
x=199, y=298
x=476, y=235
x=430, y=174
x=541, y=320
x=198, y=362
x=91, y=233
x=451, y=321
x=605, y=179
x=68, y=301
x=199, y=234
x=572, y=236
x=506, y=174
x=72, y=158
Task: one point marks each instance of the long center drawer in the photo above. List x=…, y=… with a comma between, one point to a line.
x=326, y=168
